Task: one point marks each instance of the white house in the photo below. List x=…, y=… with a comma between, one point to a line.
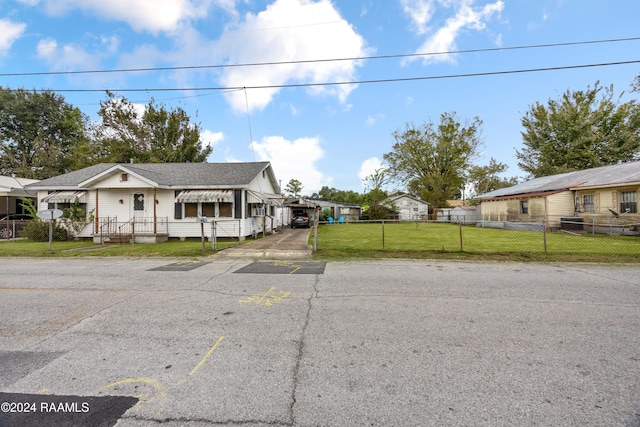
x=157, y=201
x=408, y=207
x=11, y=189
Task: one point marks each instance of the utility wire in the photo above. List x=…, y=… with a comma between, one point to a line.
x=309, y=61
x=355, y=82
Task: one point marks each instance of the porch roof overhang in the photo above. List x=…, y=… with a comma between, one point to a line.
x=268, y=198
x=523, y=195
x=211, y=196
x=65, y=196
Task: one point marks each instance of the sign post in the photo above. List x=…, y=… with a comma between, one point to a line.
x=49, y=215
x=202, y=220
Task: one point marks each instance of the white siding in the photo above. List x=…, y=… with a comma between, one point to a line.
x=114, y=181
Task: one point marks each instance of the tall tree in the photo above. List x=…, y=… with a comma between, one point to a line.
x=581, y=130
x=41, y=135
x=293, y=188
x=373, y=191
x=431, y=161
x=483, y=179
x=155, y=135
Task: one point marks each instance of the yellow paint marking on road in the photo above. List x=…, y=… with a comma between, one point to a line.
x=204, y=359
x=265, y=295
x=297, y=267
x=143, y=397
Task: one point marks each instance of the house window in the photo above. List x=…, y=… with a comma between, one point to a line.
x=209, y=210
x=226, y=209
x=124, y=177
x=587, y=203
x=628, y=200
x=524, y=206
x=138, y=202
x=190, y=210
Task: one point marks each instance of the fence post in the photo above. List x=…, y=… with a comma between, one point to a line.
x=544, y=234
x=593, y=226
x=315, y=234
x=214, y=240
x=383, y=234
x=461, y=250
x=133, y=233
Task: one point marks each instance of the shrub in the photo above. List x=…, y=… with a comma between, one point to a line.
x=39, y=232
x=376, y=212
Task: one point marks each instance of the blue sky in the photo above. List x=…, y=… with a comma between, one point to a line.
x=327, y=134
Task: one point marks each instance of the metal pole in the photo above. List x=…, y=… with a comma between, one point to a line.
x=544, y=232
x=50, y=229
x=461, y=250
x=383, y=234
x=202, y=234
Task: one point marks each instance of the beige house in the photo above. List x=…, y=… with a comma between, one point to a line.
x=597, y=194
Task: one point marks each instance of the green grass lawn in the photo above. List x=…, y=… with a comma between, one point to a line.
x=172, y=248
x=417, y=240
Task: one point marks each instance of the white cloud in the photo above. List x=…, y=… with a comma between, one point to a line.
x=290, y=30
x=9, y=33
x=211, y=138
x=372, y=120
x=66, y=57
x=293, y=160
x=369, y=167
x=141, y=15
x=420, y=12
x=444, y=39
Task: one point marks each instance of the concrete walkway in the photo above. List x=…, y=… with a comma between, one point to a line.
x=287, y=243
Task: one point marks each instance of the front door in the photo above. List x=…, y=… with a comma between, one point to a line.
x=139, y=206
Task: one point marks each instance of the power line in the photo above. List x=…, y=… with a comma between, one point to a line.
x=360, y=58
x=357, y=82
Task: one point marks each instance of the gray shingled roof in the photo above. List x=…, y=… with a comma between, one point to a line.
x=168, y=175
x=605, y=176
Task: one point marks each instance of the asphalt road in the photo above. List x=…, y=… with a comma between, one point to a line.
x=153, y=342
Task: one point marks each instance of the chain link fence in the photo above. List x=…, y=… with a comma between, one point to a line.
x=227, y=232
x=553, y=235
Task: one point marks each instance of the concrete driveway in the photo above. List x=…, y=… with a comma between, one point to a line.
x=287, y=243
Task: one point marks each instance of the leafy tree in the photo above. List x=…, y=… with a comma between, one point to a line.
x=40, y=134
x=484, y=179
x=156, y=135
x=293, y=188
x=374, y=193
x=431, y=161
x=581, y=130
x=334, y=195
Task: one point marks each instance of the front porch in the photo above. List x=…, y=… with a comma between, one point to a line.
x=137, y=230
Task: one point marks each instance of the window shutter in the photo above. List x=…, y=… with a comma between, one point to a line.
x=177, y=214
x=237, y=201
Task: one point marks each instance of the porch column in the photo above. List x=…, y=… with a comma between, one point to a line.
x=155, y=211
x=97, y=215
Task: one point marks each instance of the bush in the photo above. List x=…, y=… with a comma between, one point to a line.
x=39, y=232
x=377, y=212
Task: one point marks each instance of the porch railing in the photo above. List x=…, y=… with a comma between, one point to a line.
x=110, y=227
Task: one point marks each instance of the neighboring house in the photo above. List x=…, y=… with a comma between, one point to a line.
x=339, y=210
x=166, y=200
x=590, y=194
x=465, y=214
x=11, y=190
x=408, y=207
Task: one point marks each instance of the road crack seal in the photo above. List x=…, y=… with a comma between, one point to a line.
x=301, y=342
